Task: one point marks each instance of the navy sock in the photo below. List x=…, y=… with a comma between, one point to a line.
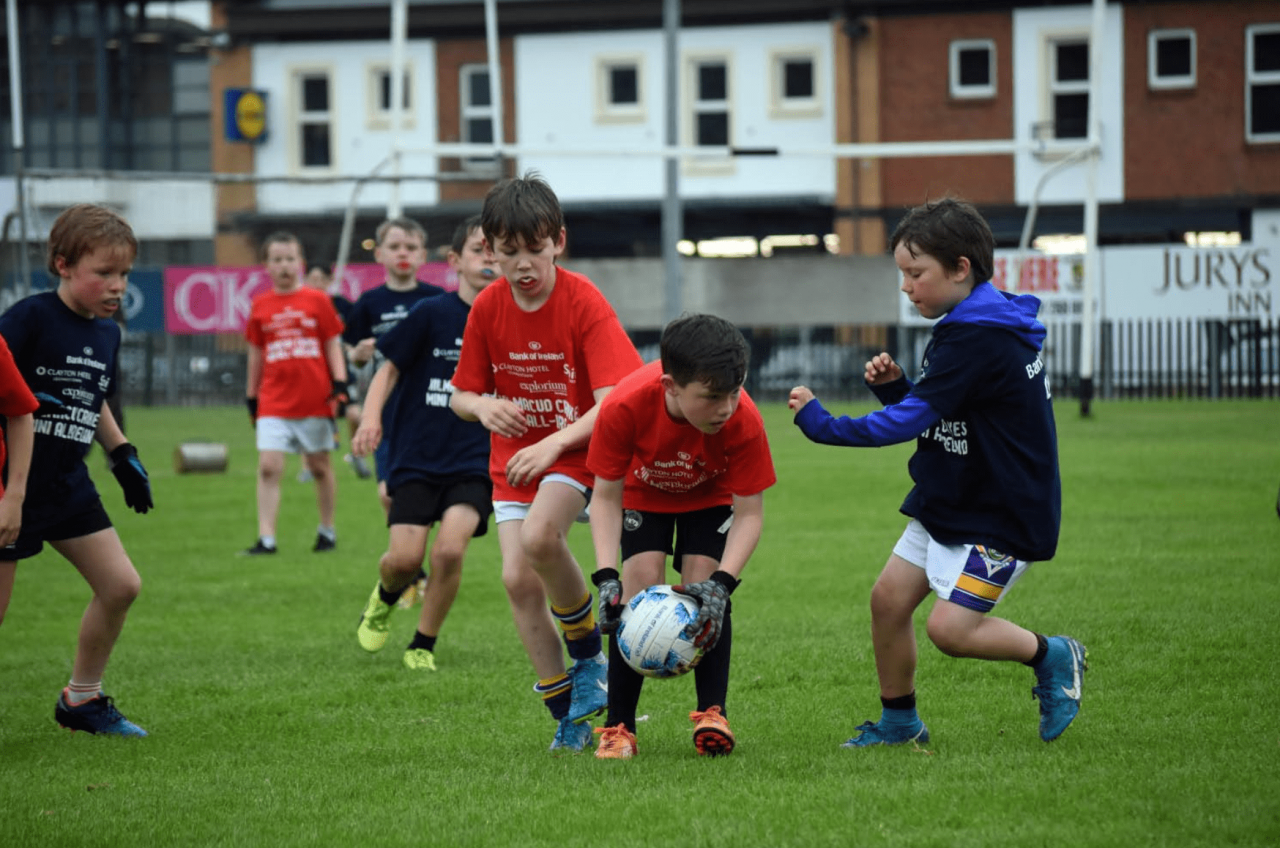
x=421, y=640
x=1042, y=648
x=388, y=598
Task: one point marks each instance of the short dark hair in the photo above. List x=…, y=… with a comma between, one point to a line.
x=409, y=225
x=281, y=237
x=523, y=208
x=705, y=349
x=947, y=229
x=462, y=232
x=85, y=227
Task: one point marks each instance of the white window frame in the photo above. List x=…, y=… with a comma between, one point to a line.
x=299, y=117
x=1169, y=83
x=1055, y=87
x=709, y=165
x=783, y=107
x=468, y=112
x=608, y=112
x=1252, y=78
x=377, y=116
x=960, y=91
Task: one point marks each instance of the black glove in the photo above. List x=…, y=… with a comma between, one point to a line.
x=48, y=404
x=132, y=477
x=606, y=580
x=712, y=596
x=341, y=396
x=252, y=405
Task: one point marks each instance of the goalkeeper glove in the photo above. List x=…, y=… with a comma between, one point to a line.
x=132, y=477
x=606, y=580
x=252, y=405
x=712, y=596
x=339, y=395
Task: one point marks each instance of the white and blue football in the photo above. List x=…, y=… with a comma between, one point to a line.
x=651, y=636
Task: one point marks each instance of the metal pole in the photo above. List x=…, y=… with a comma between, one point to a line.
x=399, y=28
x=495, y=78
x=15, y=109
x=1092, y=261
x=672, y=208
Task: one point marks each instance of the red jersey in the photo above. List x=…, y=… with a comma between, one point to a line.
x=291, y=329
x=548, y=362
x=672, y=466
x=15, y=398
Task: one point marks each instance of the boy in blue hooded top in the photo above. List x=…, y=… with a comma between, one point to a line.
x=987, y=499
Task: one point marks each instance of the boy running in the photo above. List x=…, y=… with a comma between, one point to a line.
x=680, y=456
x=65, y=344
x=401, y=250
x=542, y=349
x=297, y=378
x=987, y=499
x=438, y=464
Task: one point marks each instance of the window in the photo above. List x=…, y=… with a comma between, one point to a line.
x=1262, y=82
x=794, y=84
x=476, y=113
x=973, y=69
x=619, y=89
x=710, y=103
x=379, y=97
x=1069, y=88
x=1171, y=58
x=314, y=120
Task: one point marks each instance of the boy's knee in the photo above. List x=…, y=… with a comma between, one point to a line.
x=541, y=542
x=947, y=636
x=121, y=594
x=447, y=559
x=401, y=563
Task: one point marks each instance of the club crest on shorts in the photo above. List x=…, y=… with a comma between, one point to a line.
x=994, y=559
x=631, y=520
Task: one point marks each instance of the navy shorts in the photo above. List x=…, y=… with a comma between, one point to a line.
x=424, y=502
x=701, y=532
x=55, y=526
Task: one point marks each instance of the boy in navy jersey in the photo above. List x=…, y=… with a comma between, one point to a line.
x=437, y=469
x=65, y=344
x=987, y=499
x=401, y=250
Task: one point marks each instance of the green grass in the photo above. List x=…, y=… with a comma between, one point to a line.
x=269, y=726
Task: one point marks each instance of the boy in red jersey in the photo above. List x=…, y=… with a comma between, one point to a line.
x=680, y=453
x=542, y=348
x=16, y=406
x=297, y=370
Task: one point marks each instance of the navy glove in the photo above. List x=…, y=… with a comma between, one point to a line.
x=606, y=580
x=252, y=405
x=132, y=477
x=712, y=596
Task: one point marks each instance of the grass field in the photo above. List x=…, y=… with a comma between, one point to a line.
x=269, y=726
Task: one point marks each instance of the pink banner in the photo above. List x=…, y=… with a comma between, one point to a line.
x=209, y=299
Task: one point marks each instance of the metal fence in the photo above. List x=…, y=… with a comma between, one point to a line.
x=1134, y=359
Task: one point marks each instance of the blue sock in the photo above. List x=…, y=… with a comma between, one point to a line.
x=899, y=718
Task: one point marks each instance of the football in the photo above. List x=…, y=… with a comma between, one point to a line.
x=651, y=636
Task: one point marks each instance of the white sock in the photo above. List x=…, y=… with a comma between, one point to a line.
x=267, y=541
x=328, y=532
x=77, y=693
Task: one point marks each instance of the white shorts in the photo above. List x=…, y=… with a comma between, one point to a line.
x=518, y=511
x=296, y=435
x=973, y=576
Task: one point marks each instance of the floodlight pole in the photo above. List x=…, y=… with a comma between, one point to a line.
x=495, y=79
x=15, y=111
x=399, y=30
x=1092, y=261
x=672, y=208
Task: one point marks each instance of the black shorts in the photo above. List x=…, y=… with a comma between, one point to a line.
x=54, y=526
x=701, y=532
x=423, y=502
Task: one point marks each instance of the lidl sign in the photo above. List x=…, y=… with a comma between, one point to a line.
x=245, y=114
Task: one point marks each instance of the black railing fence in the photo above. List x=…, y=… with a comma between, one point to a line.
x=1189, y=358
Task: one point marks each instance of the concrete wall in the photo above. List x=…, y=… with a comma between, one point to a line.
x=777, y=292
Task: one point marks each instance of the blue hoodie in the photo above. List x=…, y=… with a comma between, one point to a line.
x=986, y=461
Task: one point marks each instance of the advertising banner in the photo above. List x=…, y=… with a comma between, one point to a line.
x=210, y=299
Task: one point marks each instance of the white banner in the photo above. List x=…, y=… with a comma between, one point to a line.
x=1191, y=282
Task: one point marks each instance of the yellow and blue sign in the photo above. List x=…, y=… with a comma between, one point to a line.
x=244, y=114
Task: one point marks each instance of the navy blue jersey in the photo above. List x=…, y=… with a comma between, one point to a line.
x=986, y=462
x=343, y=307
x=72, y=359
x=379, y=309
x=425, y=439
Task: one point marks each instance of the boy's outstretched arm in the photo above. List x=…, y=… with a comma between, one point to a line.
x=900, y=422
x=369, y=434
